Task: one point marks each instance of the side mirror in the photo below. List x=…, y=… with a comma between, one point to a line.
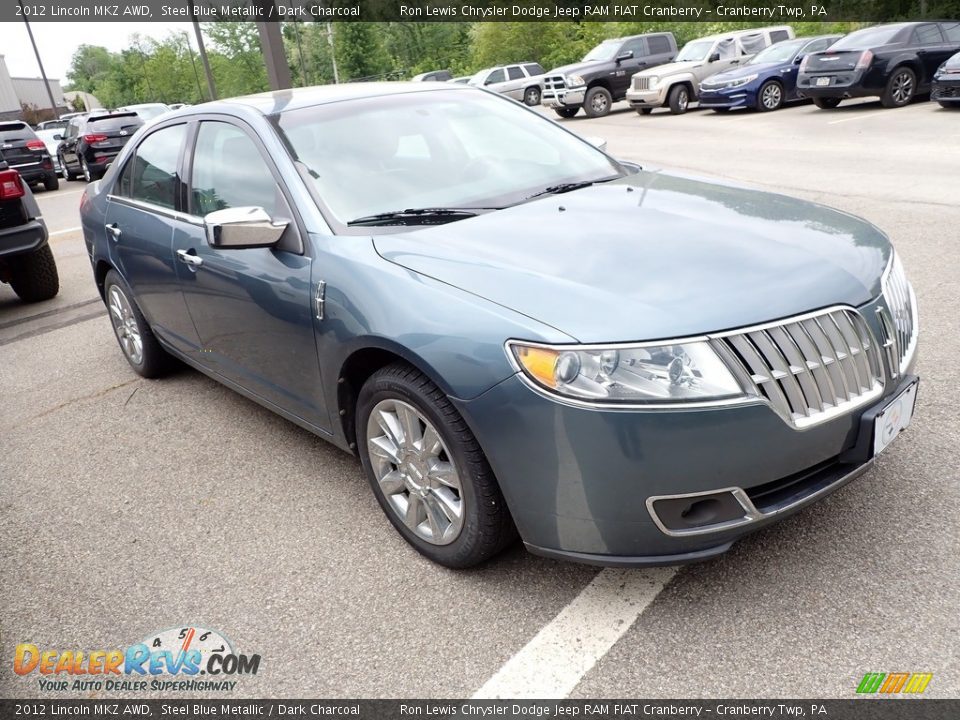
x=242, y=227
x=713, y=57
x=798, y=59
x=625, y=55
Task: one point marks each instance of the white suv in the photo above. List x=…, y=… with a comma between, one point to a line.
x=523, y=81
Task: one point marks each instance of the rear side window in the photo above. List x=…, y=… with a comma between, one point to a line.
x=152, y=174
x=952, y=32
x=778, y=35
x=229, y=171
x=514, y=72
x=928, y=34
x=658, y=44
x=817, y=46
x=534, y=69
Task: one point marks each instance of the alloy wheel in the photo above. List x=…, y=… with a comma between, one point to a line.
x=599, y=103
x=415, y=471
x=125, y=325
x=902, y=88
x=86, y=170
x=683, y=100
x=64, y=173
x=772, y=95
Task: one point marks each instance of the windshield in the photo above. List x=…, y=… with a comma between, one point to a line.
x=602, y=52
x=447, y=148
x=696, y=50
x=867, y=38
x=780, y=53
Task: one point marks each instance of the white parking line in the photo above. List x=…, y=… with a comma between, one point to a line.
x=64, y=232
x=557, y=658
x=58, y=194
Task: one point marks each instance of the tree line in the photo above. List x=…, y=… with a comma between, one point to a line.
x=169, y=69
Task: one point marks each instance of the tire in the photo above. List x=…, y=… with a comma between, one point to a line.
x=826, y=103
x=152, y=360
x=51, y=182
x=679, y=99
x=484, y=526
x=770, y=96
x=644, y=111
x=65, y=171
x=531, y=96
x=85, y=170
x=34, y=275
x=597, y=102
x=948, y=105
x=566, y=112
x=901, y=88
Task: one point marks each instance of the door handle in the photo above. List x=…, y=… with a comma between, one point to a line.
x=114, y=231
x=189, y=259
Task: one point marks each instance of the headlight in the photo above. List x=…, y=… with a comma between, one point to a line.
x=740, y=82
x=652, y=81
x=670, y=373
x=574, y=80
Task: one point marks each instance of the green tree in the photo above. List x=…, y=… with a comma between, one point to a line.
x=90, y=66
x=360, y=52
x=236, y=59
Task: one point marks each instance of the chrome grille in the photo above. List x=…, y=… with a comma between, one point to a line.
x=641, y=83
x=810, y=368
x=902, y=306
x=554, y=82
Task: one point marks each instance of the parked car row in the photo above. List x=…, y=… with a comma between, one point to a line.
x=762, y=69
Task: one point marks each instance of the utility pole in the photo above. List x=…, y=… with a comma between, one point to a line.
x=271, y=45
x=186, y=39
x=43, y=73
x=203, y=56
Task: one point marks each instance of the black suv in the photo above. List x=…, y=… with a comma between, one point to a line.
x=26, y=261
x=91, y=142
x=603, y=76
x=894, y=62
x=27, y=154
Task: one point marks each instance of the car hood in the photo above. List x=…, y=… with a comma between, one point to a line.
x=671, y=68
x=761, y=69
x=653, y=256
x=578, y=67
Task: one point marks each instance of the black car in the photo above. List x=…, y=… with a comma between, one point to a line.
x=946, y=83
x=91, y=142
x=26, y=261
x=26, y=153
x=894, y=62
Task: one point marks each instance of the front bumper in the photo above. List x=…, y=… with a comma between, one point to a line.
x=946, y=91
x=586, y=484
x=734, y=98
x=647, y=98
x=563, y=98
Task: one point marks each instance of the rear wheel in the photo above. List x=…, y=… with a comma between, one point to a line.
x=901, y=87
x=34, y=275
x=65, y=171
x=51, y=182
x=770, y=96
x=566, y=112
x=531, y=96
x=597, y=102
x=427, y=470
x=679, y=99
x=139, y=345
x=85, y=170
x=826, y=103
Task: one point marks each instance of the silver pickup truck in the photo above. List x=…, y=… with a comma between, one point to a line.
x=676, y=84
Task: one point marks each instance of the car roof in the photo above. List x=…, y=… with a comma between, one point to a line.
x=748, y=31
x=275, y=101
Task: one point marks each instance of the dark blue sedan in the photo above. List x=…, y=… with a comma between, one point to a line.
x=766, y=82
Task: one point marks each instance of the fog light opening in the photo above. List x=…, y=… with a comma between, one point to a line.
x=701, y=512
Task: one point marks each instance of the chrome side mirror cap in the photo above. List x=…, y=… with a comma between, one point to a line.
x=242, y=227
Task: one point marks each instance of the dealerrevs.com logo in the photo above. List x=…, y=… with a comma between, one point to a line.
x=179, y=659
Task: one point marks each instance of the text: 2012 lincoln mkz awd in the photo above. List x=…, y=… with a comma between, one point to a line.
x=514, y=331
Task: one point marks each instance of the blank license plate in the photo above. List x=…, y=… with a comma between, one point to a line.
x=823, y=81
x=894, y=418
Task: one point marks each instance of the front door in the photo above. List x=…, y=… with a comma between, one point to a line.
x=254, y=307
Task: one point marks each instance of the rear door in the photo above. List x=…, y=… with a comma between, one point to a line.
x=516, y=82
x=142, y=217
x=932, y=50
x=21, y=147
x=254, y=307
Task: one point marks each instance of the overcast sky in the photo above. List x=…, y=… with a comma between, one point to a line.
x=57, y=42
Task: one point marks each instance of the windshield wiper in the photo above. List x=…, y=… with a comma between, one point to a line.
x=417, y=216
x=569, y=187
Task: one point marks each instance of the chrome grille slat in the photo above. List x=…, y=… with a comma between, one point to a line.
x=641, y=83
x=809, y=368
x=902, y=312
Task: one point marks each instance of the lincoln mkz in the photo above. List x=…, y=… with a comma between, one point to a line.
x=516, y=333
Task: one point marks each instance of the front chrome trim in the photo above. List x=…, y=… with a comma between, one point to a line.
x=751, y=514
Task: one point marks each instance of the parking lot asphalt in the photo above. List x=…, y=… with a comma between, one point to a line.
x=128, y=506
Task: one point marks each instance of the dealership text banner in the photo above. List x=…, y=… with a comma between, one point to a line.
x=760, y=11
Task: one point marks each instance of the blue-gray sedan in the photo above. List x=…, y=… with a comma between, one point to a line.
x=514, y=331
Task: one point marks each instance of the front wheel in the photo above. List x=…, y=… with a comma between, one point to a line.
x=770, y=96
x=901, y=87
x=597, y=102
x=531, y=96
x=566, y=112
x=826, y=103
x=139, y=345
x=679, y=99
x=427, y=470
